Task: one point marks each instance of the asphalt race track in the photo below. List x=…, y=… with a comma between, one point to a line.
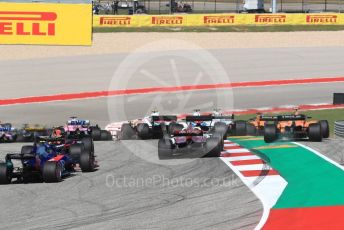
x=216, y=198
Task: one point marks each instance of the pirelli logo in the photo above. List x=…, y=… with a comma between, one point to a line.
x=115, y=20
x=27, y=23
x=163, y=20
x=321, y=19
x=273, y=19
x=219, y=19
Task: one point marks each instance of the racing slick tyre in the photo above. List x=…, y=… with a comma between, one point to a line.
x=21, y=138
x=251, y=130
x=143, y=131
x=5, y=174
x=87, y=163
x=214, y=146
x=220, y=137
x=26, y=149
x=105, y=135
x=240, y=128
x=165, y=149
x=96, y=133
x=222, y=128
x=314, y=132
x=270, y=133
x=52, y=172
x=88, y=144
x=75, y=151
x=174, y=127
x=325, y=128
x=127, y=132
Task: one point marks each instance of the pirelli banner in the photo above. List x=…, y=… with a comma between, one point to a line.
x=218, y=20
x=43, y=23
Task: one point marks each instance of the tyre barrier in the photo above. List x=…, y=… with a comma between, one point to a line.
x=339, y=128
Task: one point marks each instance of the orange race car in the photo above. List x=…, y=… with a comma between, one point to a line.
x=295, y=126
x=252, y=127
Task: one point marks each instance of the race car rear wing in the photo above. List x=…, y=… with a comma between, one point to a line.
x=224, y=117
x=48, y=139
x=199, y=118
x=267, y=118
x=187, y=134
x=300, y=117
x=207, y=118
x=163, y=118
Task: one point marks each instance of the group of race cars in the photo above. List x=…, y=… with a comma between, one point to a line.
x=203, y=135
x=55, y=152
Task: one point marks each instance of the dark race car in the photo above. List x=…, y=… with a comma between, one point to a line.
x=8, y=133
x=28, y=133
x=200, y=138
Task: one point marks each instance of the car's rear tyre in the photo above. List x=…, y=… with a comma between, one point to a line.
x=5, y=174
x=214, y=146
x=220, y=137
x=52, y=172
x=222, y=128
x=26, y=149
x=87, y=162
x=314, y=132
x=165, y=148
x=75, y=151
x=21, y=138
x=240, y=128
x=251, y=130
x=104, y=135
x=270, y=133
x=143, y=131
x=96, y=133
x=325, y=128
x=88, y=144
x=174, y=127
x=127, y=132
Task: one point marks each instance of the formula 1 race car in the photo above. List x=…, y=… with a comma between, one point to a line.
x=295, y=127
x=149, y=127
x=29, y=132
x=252, y=127
x=198, y=139
x=215, y=120
x=7, y=133
x=47, y=161
x=80, y=128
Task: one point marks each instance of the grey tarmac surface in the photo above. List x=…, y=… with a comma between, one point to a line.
x=332, y=148
x=94, y=73
x=128, y=192
x=121, y=108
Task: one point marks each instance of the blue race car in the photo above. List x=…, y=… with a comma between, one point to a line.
x=46, y=161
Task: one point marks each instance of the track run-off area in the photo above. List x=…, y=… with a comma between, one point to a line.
x=284, y=185
x=300, y=188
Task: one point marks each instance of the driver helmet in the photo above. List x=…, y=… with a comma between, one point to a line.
x=57, y=133
x=216, y=112
x=296, y=111
x=197, y=112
